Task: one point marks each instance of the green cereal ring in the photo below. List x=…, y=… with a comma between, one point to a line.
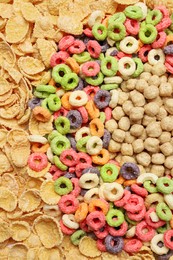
x=41, y=94
x=70, y=81
x=54, y=102
x=76, y=237
x=168, y=31
x=52, y=135
x=59, y=164
x=62, y=125
x=133, y=12
x=117, y=17
x=148, y=34
x=109, y=86
x=99, y=31
x=44, y=103
x=163, y=211
x=112, y=70
x=139, y=67
x=59, y=71
x=164, y=228
x=59, y=144
x=164, y=185
x=63, y=186
x=46, y=88
x=114, y=213
x=102, y=117
x=109, y=172
x=148, y=185
x=156, y=14
x=171, y=26
x=95, y=81
x=81, y=144
x=132, y=222
x=116, y=36
x=117, y=44
x=82, y=57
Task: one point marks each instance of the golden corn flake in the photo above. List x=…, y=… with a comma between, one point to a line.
x=20, y=230
x=6, y=10
x=125, y=2
x=9, y=112
x=70, y=24
x=48, y=230
x=32, y=253
x=5, y=232
x=33, y=241
x=39, y=128
x=16, y=29
x=74, y=254
x=4, y=86
x=29, y=12
x=66, y=244
x=39, y=174
x=6, y=53
x=16, y=214
x=108, y=256
x=33, y=183
x=88, y=247
x=30, y=65
x=3, y=137
x=17, y=251
x=107, y=6
x=29, y=200
x=8, y=200
x=48, y=254
x=46, y=49
x=16, y=136
x=8, y=180
x=20, y=154
x=48, y=194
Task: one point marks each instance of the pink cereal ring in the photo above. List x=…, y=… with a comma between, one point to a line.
x=134, y=204
x=108, y=113
x=121, y=54
x=66, y=230
x=69, y=157
x=66, y=42
x=160, y=40
x=61, y=112
x=84, y=114
x=165, y=23
x=169, y=67
x=124, y=200
x=84, y=226
x=163, y=10
x=132, y=246
x=143, y=52
x=58, y=58
x=148, y=220
x=139, y=190
x=147, y=236
x=115, y=162
x=102, y=233
x=90, y=68
x=101, y=245
x=118, y=232
x=88, y=32
x=168, y=235
x=77, y=47
x=84, y=158
x=91, y=91
x=169, y=59
x=94, y=48
x=80, y=167
x=53, y=169
x=68, y=204
x=37, y=161
x=72, y=169
x=57, y=174
x=132, y=26
x=96, y=220
x=137, y=216
x=76, y=188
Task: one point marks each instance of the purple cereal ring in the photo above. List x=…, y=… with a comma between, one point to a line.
x=91, y=170
x=129, y=171
x=75, y=119
x=106, y=138
x=72, y=141
x=118, y=231
x=134, y=204
x=96, y=220
x=90, y=68
x=102, y=98
x=114, y=245
x=165, y=256
x=168, y=49
x=94, y=48
x=34, y=102
x=83, y=192
x=68, y=204
x=69, y=175
x=58, y=58
x=80, y=85
x=104, y=46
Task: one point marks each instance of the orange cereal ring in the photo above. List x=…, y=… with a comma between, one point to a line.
x=171, y=222
x=101, y=158
x=41, y=114
x=72, y=63
x=105, y=21
x=139, y=46
x=52, y=82
x=98, y=205
x=81, y=212
x=39, y=148
x=96, y=127
x=92, y=110
x=65, y=101
x=120, y=180
x=129, y=182
x=169, y=39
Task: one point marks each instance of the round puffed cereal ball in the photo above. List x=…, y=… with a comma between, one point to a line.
x=126, y=149
x=162, y=114
x=145, y=75
x=136, y=130
x=122, y=97
x=154, y=80
x=163, y=78
x=169, y=105
x=167, y=123
x=154, y=129
x=158, y=100
x=141, y=85
x=165, y=90
x=124, y=123
x=151, y=145
x=151, y=92
x=136, y=113
x=138, y=145
x=131, y=84
x=124, y=86
x=143, y=135
x=117, y=113
x=158, y=170
x=165, y=137
x=118, y=135
x=119, y=158
x=137, y=98
x=129, y=138
x=147, y=67
x=166, y=149
x=114, y=147
x=148, y=119
x=111, y=125
x=151, y=109
x=158, y=158
x=159, y=69
x=169, y=162
x=143, y=158
x=141, y=168
x=127, y=159
x=127, y=106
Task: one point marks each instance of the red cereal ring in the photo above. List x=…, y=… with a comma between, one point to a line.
x=168, y=239
x=58, y=58
x=77, y=47
x=84, y=158
x=139, y=190
x=96, y=220
x=84, y=114
x=72, y=169
x=160, y=40
x=121, y=54
x=115, y=162
x=88, y=32
x=90, y=68
x=94, y=48
x=118, y=231
x=80, y=167
x=53, y=169
x=133, y=246
x=163, y=10
x=108, y=113
x=134, y=204
x=37, y=161
x=68, y=204
x=143, y=52
x=147, y=235
x=61, y=112
x=76, y=188
x=101, y=245
x=124, y=200
x=66, y=230
x=137, y=216
x=69, y=157
x=165, y=23
x=57, y=174
x=169, y=59
x=84, y=226
x=65, y=42
x=91, y=91
x=148, y=220
x=102, y=233
x=169, y=67
x=132, y=26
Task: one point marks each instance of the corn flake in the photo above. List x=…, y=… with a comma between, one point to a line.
x=8, y=200
x=6, y=10
x=4, y=86
x=17, y=251
x=70, y=24
x=29, y=200
x=32, y=253
x=6, y=53
x=40, y=174
x=29, y=12
x=3, y=136
x=32, y=241
x=46, y=49
x=5, y=232
x=48, y=194
x=20, y=154
x=16, y=136
x=48, y=254
x=30, y=66
x=88, y=247
x=8, y=180
x=74, y=254
x=20, y=230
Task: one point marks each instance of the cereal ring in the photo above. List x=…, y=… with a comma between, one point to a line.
x=129, y=171
x=77, y=47
x=90, y=68
x=69, y=81
x=102, y=232
x=137, y=216
x=120, y=231
x=164, y=185
x=148, y=33
x=75, y=119
x=59, y=144
x=78, y=98
x=41, y=114
x=132, y=26
x=159, y=249
x=109, y=172
x=95, y=220
x=154, y=17
x=110, y=70
x=39, y=148
x=72, y=63
x=98, y=205
x=133, y=12
x=65, y=229
x=114, y=245
x=68, y=204
x=101, y=158
x=123, y=200
x=63, y=186
x=69, y=157
x=94, y=145
x=163, y=211
x=81, y=212
x=59, y=71
x=155, y=56
x=116, y=26
x=126, y=66
x=93, y=111
x=167, y=238
x=62, y=125
x=99, y=32
x=69, y=221
x=143, y=52
x=58, y=58
x=132, y=246
x=94, y=48
x=139, y=190
x=147, y=236
x=96, y=127
x=88, y=181
x=66, y=42
x=134, y=204
x=37, y=161
x=102, y=98
x=111, y=215
x=76, y=237
x=129, y=45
